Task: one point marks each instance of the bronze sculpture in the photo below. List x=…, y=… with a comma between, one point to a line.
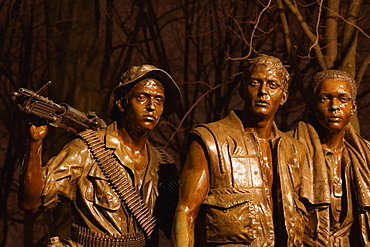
x=339, y=197
x=241, y=180
x=111, y=176
x=41, y=110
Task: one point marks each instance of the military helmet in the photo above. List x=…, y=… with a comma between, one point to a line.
x=137, y=73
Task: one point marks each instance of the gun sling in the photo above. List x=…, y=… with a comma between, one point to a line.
x=119, y=181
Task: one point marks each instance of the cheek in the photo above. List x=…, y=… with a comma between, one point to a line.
x=349, y=111
x=319, y=111
x=278, y=97
x=251, y=90
x=159, y=109
x=250, y=94
x=276, y=93
x=134, y=109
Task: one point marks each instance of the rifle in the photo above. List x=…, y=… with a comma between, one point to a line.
x=57, y=115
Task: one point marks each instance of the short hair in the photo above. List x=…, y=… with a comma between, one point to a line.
x=268, y=62
x=332, y=74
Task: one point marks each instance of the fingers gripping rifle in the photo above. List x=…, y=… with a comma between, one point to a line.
x=57, y=115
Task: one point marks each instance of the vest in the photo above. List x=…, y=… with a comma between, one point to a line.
x=237, y=209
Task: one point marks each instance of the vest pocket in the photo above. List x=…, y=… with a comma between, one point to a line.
x=236, y=218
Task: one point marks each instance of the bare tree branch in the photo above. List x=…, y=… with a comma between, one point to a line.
x=362, y=69
x=285, y=26
x=331, y=33
x=189, y=111
x=313, y=38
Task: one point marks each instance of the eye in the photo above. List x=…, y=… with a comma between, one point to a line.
x=324, y=98
x=159, y=100
x=254, y=83
x=344, y=99
x=273, y=85
x=140, y=97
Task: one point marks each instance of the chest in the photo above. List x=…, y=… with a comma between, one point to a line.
x=241, y=163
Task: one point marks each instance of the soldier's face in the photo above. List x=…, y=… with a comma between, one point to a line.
x=145, y=105
x=265, y=91
x=334, y=105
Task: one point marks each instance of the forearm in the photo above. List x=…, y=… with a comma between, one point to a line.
x=30, y=179
x=183, y=229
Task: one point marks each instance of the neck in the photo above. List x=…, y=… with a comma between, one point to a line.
x=333, y=140
x=133, y=139
x=262, y=125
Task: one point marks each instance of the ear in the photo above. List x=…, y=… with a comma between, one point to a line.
x=119, y=105
x=354, y=108
x=284, y=98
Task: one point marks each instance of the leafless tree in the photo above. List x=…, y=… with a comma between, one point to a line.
x=83, y=46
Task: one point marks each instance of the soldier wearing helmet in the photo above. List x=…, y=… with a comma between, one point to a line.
x=113, y=178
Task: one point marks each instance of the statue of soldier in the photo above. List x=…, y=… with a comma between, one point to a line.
x=113, y=178
x=241, y=180
x=339, y=202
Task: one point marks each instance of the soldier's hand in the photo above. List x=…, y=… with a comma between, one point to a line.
x=37, y=133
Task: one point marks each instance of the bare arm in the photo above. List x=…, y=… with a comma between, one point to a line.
x=193, y=190
x=30, y=178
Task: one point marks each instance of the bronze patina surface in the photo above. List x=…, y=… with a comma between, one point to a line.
x=339, y=194
x=88, y=172
x=241, y=183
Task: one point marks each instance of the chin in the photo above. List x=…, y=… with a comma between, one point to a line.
x=148, y=127
x=335, y=127
x=262, y=113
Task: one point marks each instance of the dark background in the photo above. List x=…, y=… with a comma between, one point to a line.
x=83, y=46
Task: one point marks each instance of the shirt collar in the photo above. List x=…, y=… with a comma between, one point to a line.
x=275, y=131
x=111, y=136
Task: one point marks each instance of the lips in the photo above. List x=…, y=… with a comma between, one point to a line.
x=149, y=118
x=262, y=103
x=334, y=118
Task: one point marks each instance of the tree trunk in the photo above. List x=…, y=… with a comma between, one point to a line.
x=74, y=70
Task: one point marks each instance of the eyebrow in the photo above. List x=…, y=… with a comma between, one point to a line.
x=340, y=93
x=146, y=93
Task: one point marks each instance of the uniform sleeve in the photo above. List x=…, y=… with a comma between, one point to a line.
x=62, y=171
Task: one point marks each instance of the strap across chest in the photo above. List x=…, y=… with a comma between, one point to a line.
x=119, y=180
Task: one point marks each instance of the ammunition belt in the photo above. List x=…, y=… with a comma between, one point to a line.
x=119, y=180
x=88, y=238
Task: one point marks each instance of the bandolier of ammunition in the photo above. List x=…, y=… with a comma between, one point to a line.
x=90, y=238
x=119, y=181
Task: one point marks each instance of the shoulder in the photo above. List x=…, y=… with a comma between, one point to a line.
x=76, y=144
x=89, y=134
x=231, y=121
x=75, y=153
x=225, y=126
x=287, y=139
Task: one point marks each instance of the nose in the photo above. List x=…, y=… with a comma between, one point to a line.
x=335, y=105
x=263, y=89
x=150, y=105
